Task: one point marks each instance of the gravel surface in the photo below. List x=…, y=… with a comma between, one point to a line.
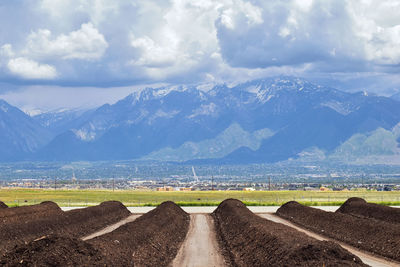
x=200, y=247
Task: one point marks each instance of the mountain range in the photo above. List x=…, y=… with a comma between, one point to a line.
x=259, y=121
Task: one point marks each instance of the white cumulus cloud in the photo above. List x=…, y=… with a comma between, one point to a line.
x=29, y=69
x=86, y=43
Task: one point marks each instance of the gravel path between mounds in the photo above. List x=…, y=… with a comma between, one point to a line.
x=249, y=240
x=54, y=251
x=112, y=227
x=153, y=239
x=365, y=233
x=3, y=205
x=25, y=226
x=360, y=208
x=200, y=247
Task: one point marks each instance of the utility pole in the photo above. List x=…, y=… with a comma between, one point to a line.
x=269, y=183
x=212, y=183
x=55, y=183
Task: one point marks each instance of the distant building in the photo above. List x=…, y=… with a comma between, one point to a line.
x=185, y=189
x=165, y=188
x=248, y=189
x=323, y=188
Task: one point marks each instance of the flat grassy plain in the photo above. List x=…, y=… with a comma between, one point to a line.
x=70, y=198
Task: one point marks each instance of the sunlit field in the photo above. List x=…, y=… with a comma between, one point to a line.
x=65, y=198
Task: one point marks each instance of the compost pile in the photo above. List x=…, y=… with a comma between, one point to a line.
x=151, y=240
x=3, y=205
x=54, y=251
x=249, y=240
x=365, y=233
x=24, y=224
x=80, y=222
x=29, y=213
x=360, y=208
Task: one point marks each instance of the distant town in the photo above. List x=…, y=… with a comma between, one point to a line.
x=175, y=177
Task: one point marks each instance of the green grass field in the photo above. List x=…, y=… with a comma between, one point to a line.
x=19, y=197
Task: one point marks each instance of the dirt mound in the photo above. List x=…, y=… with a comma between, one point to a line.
x=53, y=251
x=29, y=212
x=153, y=239
x=76, y=223
x=365, y=233
x=91, y=219
x=249, y=240
x=360, y=208
x=3, y=205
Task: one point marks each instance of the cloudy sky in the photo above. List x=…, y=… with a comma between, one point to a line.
x=73, y=53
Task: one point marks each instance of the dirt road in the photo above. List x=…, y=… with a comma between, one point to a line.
x=365, y=257
x=200, y=248
x=112, y=227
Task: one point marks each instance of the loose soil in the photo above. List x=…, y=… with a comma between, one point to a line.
x=81, y=222
x=200, y=247
x=360, y=208
x=249, y=240
x=153, y=239
x=3, y=205
x=25, y=226
x=366, y=257
x=28, y=213
x=54, y=251
x=364, y=233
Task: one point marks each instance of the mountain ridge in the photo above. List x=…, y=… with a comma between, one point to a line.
x=184, y=119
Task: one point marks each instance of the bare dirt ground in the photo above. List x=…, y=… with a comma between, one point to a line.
x=112, y=227
x=200, y=248
x=366, y=257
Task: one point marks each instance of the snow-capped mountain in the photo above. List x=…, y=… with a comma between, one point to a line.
x=19, y=133
x=263, y=120
x=61, y=120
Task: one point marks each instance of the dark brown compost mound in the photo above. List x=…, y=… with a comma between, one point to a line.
x=249, y=240
x=365, y=233
x=151, y=240
x=3, y=205
x=75, y=223
x=360, y=208
x=53, y=251
x=91, y=219
x=31, y=212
